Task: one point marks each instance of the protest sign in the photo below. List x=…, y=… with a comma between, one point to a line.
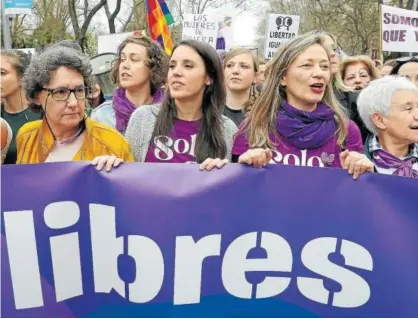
x=167, y=240
x=202, y=27
x=109, y=43
x=399, y=29
x=280, y=29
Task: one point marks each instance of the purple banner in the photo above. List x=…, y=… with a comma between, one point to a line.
x=166, y=240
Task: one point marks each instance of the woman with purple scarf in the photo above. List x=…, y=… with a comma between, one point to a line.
x=140, y=72
x=297, y=119
x=389, y=109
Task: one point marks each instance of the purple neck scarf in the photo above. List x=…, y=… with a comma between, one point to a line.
x=306, y=130
x=386, y=160
x=124, y=108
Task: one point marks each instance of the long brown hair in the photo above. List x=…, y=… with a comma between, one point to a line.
x=210, y=139
x=253, y=92
x=261, y=121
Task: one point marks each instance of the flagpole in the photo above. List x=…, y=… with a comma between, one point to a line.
x=380, y=32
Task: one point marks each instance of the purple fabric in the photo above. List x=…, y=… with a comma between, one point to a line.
x=124, y=108
x=386, y=160
x=306, y=130
x=179, y=147
x=327, y=155
x=341, y=239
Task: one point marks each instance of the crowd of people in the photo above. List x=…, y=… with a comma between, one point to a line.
x=307, y=106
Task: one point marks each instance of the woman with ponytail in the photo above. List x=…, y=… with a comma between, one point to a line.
x=189, y=126
x=297, y=119
x=240, y=69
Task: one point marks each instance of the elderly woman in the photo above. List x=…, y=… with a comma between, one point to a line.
x=389, y=109
x=57, y=83
x=357, y=72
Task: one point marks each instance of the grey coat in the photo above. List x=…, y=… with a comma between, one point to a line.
x=141, y=127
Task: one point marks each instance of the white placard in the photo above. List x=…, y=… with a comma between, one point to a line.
x=280, y=29
x=399, y=29
x=109, y=43
x=201, y=27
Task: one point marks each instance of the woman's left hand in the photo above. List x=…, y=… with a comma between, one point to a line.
x=356, y=163
x=108, y=161
x=211, y=163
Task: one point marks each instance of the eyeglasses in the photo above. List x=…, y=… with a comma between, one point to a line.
x=63, y=94
x=407, y=58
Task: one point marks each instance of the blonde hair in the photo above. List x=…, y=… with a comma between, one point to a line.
x=373, y=71
x=253, y=92
x=261, y=121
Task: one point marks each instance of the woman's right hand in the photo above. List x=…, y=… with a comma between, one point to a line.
x=108, y=161
x=256, y=157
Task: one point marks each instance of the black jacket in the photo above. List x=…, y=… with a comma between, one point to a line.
x=349, y=101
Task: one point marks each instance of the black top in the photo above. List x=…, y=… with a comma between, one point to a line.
x=237, y=116
x=16, y=121
x=349, y=101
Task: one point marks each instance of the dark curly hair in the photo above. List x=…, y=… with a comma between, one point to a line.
x=21, y=60
x=158, y=61
x=43, y=65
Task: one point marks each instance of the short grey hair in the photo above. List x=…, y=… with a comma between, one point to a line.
x=377, y=97
x=43, y=66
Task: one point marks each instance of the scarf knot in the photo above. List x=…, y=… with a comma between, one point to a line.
x=403, y=167
x=124, y=108
x=306, y=130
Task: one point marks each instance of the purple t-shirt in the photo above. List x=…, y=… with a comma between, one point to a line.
x=178, y=147
x=328, y=155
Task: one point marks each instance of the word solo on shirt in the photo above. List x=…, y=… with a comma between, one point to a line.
x=151, y=265
x=166, y=147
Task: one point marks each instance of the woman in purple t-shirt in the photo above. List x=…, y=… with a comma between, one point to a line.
x=189, y=126
x=297, y=119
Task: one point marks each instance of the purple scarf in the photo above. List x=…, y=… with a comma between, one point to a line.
x=386, y=160
x=124, y=108
x=306, y=130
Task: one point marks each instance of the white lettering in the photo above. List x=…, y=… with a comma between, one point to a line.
x=23, y=259
x=189, y=262
x=162, y=150
x=235, y=265
x=287, y=160
x=355, y=290
x=65, y=249
x=106, y=248
x=297, y=160
x=189, y=259
x=166, y=147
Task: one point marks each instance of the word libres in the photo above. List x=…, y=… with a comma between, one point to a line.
x=150, y=264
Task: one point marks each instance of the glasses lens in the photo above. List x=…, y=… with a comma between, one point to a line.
x=60, y=94
x=80, y=93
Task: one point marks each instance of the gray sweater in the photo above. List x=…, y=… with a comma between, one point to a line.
x=141, y=126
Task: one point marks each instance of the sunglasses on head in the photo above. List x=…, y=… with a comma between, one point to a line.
x=407, y=58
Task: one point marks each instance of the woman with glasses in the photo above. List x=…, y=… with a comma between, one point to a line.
x=407, y=67
x=57, y=83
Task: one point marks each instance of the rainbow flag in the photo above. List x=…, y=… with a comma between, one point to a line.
x=159, y=18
